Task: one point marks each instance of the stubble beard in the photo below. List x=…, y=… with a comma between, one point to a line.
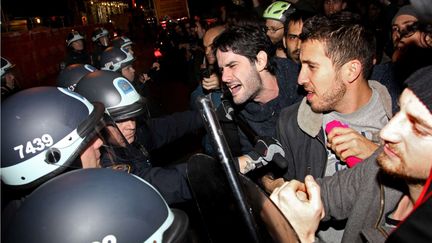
x=252, y=90
x=398, y=168
x=329, y=100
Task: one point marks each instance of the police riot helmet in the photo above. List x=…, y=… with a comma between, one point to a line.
x=98, y=33
x=114, y=59
x=118, y=95
x=44, y=129
x=5, y=66
x=121, y=42
x=73, y=36
x=279, y=10
x=96, y=205
x=69, y=77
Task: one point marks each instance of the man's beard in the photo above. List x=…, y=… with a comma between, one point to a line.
x=397, y=169
x=252, y=90
x=330, y=99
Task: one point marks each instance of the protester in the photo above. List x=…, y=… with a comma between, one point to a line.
x=381, y=192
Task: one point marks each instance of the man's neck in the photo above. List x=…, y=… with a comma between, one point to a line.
x=356, y=96
x=406, y=204
x=269, y=89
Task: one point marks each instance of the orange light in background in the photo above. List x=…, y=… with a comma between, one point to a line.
x=134, y=3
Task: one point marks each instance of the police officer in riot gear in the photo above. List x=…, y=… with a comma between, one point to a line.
x=44, y=130
x=140, y=135
x=100, y=38
x=76, y=51
x=123, y=42
x=69, y=77
x=97, y=205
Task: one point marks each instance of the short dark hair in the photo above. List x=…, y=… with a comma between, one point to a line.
x=297, y=16
x=344, y=39
x=246, y=40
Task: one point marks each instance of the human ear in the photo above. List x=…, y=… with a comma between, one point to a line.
x=351, y=70
x=261, y=62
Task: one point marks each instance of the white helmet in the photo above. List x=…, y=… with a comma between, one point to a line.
x=73, y=36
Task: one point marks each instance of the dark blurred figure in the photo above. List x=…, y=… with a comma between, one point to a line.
x=412, y=43
x=9, y=84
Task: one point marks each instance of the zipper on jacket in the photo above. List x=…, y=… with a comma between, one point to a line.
x=381, y=212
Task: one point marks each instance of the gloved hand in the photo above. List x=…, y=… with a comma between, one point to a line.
x=266, y=149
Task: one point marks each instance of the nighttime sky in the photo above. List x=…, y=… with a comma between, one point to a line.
x=20, y=8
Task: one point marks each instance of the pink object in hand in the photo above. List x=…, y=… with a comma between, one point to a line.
x=352, y=160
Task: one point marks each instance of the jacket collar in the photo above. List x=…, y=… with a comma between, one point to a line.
x=311, y=122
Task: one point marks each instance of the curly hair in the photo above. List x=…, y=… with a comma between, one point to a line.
x=246, y=40
x=344, y=39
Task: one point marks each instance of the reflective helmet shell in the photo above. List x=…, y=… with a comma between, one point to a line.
x=5, y=66
x=79, y=206
x=69, y=77
x=114, y=59
x=278, y=10
x=73, y=36
x=43, y=131
x=118, y=95
x=98, y=33
x=121, y=42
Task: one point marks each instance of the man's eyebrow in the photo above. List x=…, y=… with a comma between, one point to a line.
x=309, y=62
x=419, y=120
x=409, y=21
x=230, y=63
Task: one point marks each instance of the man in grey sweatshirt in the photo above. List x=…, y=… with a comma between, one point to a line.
x=379, y=193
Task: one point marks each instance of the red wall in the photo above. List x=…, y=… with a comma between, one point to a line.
x=38, y=53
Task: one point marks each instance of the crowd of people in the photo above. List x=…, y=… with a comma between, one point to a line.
x=328, y=111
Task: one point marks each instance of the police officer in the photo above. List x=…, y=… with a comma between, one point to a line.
x=140, y=135
x=100, y=38
x=45, y=132
x=69, y=77
x=96, y=205
x=123, y=42
x=76, y=52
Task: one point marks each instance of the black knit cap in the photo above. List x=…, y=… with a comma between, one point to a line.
x=420, y=82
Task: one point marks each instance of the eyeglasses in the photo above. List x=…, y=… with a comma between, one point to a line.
x=272, y=30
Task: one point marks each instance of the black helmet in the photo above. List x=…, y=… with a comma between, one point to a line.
x=73, y=36
x=98, y=33
x=118, y=95
x=69, y=77
x=5, y=66
x=96, y=205
x=114, y=59
x=43, y=131
x=121, y=42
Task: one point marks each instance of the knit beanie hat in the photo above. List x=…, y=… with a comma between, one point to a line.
x=406, y=10
x=420, y=82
